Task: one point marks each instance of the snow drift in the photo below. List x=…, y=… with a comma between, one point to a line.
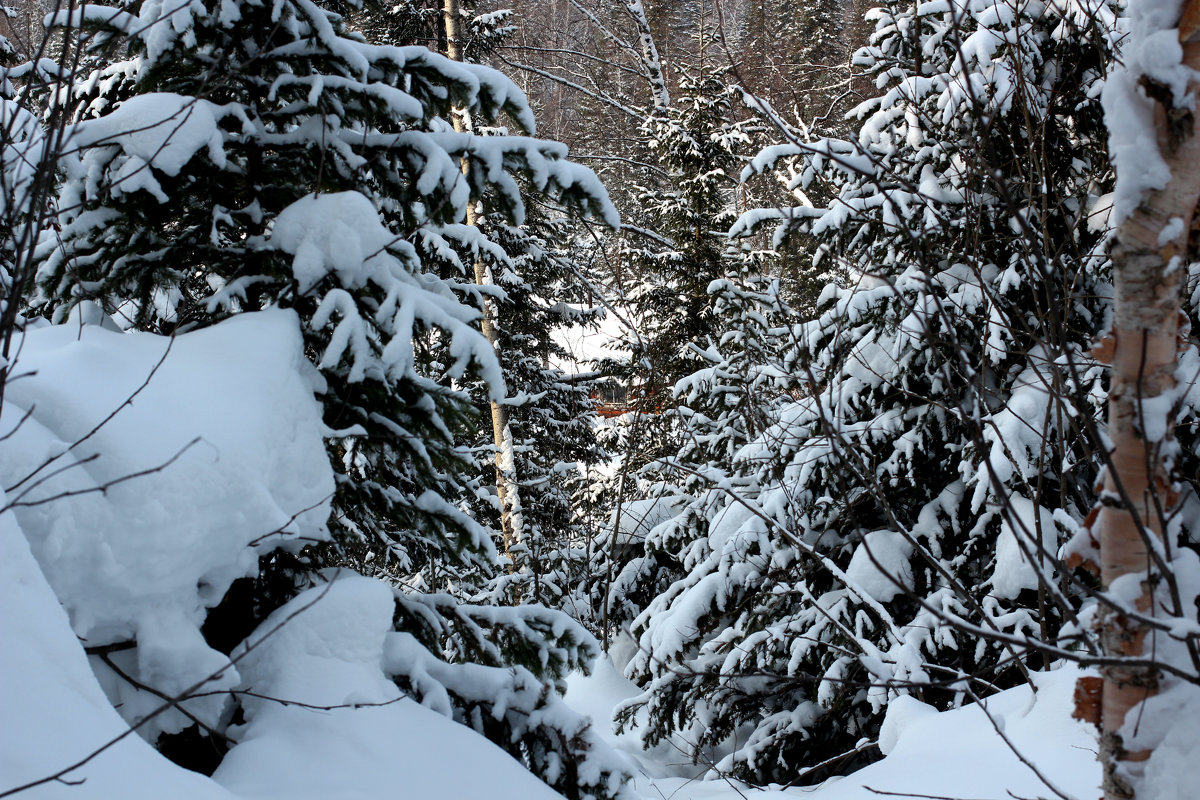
x=142, y=476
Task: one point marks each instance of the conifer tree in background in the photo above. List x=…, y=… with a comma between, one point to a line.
x=423, y=23
x=697, y=149
x=935, y=461
x=243, y=156
x=670, y=270
x=804, y=78
x=720, y=409
x=29, y=145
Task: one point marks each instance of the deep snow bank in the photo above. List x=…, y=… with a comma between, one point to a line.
x=144, y=475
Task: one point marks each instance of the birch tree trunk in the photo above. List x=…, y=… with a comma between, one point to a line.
x=650, y=58
x=1150, y=264
x=511, y=520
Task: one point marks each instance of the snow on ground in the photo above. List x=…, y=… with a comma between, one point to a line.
x=951, y=754
x=596, y=696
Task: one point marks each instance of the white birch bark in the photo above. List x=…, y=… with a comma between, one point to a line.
x=650, y=59
x=1149, y=263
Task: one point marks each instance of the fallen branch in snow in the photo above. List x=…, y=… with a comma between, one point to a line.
x=285, y=702
x=113, y=647
x=96, y=428
x=102, y=488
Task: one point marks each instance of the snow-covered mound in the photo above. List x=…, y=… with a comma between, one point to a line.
x=961, y=753
x=329, y=656
x=55, y=713
x=363, y=739
x=221, y=421
x=149, y=473
x=143, y=476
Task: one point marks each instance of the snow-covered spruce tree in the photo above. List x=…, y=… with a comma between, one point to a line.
x=720, y=409
x=534, y=291
x=243, y=156
x=696, y=148
x=22, y=186
x=681, y=248
x=728, y=402
x=30, y=143
x=933, y=465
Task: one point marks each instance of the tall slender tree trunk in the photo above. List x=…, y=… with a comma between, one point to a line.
x=511, y=518
x=1149, y=262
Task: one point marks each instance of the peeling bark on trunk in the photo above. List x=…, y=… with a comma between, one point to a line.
x=511, y=521
x=1149, y=271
